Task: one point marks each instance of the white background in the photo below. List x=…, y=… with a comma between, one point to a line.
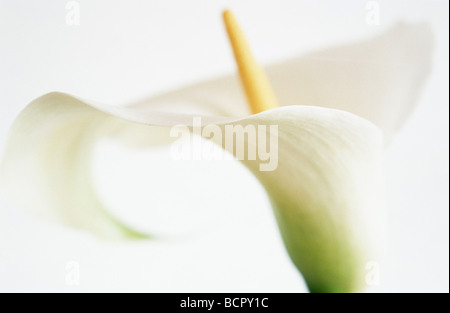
x=221, y=235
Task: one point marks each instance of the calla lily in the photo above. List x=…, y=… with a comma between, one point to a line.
x=327, y=189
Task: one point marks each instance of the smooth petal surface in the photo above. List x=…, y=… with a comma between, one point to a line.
x=327, y=194
x=46, y=165
x=325, y=190
x=379, y=79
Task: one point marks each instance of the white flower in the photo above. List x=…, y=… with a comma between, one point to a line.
x=326, y=191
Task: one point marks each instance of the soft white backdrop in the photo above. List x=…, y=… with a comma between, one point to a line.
x=219, y=231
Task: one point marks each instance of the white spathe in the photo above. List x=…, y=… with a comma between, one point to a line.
x=327, y=190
